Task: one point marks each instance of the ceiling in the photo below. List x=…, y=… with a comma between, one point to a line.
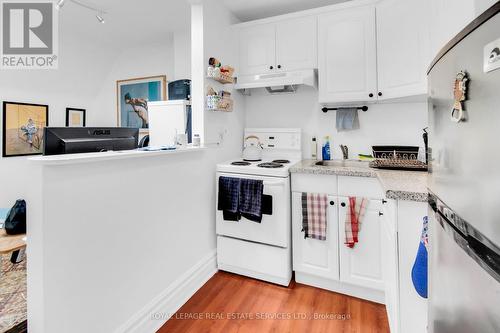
x=247, y=10
x=128, y=22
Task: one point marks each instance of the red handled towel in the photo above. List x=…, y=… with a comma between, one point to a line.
x=355, y=214
x=314, y=215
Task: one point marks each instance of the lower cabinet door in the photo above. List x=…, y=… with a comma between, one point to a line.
x=312, y=256
x=362, y=265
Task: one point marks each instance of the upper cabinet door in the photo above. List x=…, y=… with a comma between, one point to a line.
x=403, y=42
x=347, y=56
x=296, y=44
x=257, y=49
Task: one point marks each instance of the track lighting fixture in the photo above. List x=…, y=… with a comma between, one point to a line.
x=60, y=4
x=100, y=19
x=99, y=13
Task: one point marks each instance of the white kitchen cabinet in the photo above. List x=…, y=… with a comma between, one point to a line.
x=257, y=49
x=296, y=44
x=282, y=46
x=390, y=263
x=347, y=66
x=403, y=48
x=312, y=256
x=327, y=264
x=362, y=265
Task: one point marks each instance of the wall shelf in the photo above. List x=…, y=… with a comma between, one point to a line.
x=217, y=103
x=216, y=75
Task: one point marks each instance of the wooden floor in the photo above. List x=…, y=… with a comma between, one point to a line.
x=231, y=303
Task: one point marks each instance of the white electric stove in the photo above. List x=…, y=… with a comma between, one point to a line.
x=262, y=250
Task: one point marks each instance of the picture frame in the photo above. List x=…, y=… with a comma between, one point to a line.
x=132, y=96
x=22, y=128
x=75, y=117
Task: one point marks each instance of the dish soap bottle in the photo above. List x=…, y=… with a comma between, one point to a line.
x=314, y=148
x=326, y=149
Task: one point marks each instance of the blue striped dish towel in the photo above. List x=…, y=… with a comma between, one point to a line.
x=250, y=201
x=229, y=196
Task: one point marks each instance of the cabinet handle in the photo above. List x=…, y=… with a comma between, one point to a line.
x=271, y=67
x=279, y=66
x=380, y=93
x=371, y=95
x=343, y=204
x=332, y=203
x=380, y=214
x=384, y=201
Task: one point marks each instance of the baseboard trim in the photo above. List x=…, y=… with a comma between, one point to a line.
x=172, y=298
x=256, y=275
x=372, y=295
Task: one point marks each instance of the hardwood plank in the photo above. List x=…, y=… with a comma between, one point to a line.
x=232, y=303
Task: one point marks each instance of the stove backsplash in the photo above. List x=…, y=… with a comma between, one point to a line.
x=382, y=124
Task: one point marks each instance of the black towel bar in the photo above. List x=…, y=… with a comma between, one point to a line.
x=362, y=108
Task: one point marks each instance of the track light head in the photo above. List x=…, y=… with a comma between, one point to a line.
x=100, y=18
x=60, y=4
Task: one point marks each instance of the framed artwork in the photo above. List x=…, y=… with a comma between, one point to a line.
x=133, y=96
x=23, y=126
x=75, y=117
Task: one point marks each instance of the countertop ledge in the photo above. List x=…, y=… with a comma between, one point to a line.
x=110, y=155
x=397, y=185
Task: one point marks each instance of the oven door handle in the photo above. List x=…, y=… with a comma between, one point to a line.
x=267, y=183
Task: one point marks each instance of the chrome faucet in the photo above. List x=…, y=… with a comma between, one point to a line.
x=345, y=152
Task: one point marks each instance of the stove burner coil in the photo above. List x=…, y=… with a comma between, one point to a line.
x=241, y=163
x=270, y=165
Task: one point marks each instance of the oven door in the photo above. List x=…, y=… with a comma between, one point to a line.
x=275, y=228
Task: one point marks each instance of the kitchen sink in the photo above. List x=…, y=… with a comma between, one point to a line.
x=343, y=164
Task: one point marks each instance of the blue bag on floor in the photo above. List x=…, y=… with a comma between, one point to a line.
x=419, y=270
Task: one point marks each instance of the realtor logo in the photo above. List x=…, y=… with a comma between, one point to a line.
x=29, y=35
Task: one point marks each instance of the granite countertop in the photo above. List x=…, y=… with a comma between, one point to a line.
x=397, y=185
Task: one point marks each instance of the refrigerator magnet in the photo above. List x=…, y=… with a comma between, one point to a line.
x=460, y=95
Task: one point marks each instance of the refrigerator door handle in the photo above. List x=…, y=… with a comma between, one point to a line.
x=486, y=257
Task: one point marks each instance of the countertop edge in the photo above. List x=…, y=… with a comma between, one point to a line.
x=56, y=160
x=371, y=173
x=406, y=196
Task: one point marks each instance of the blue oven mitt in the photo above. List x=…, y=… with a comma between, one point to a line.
x=419, y=270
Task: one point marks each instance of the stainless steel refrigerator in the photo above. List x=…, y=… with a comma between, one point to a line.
x=464, y=205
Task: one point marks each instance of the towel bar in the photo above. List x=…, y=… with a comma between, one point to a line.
x=362, y=108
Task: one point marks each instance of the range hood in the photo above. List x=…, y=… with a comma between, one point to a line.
x=277, y=83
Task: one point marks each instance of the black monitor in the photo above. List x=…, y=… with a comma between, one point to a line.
x=72, y=140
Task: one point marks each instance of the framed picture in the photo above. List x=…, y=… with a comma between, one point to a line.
x=23, y=126
x=75, y=117
x=133, y=96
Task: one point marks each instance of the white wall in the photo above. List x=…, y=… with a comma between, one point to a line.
x=116, y=241
x=385, y=124
x=72, y=85
x=86, y=79
x=220, y=41
x=132, y=62
x=182, y=54
x=126, y=249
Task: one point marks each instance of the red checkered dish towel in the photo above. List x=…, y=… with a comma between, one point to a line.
x=355, y=214
x=314, y=215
